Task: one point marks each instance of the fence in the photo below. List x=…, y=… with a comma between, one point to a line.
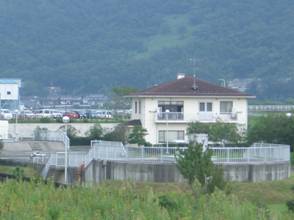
x=257, y=153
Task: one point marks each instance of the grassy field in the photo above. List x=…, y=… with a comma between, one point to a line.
x=27, y=171
x=126, y=200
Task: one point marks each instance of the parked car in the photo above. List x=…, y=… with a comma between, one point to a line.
x=48, y=113
x=37, y=154
x=6, y=114
x=102, y=114
x=72, y=115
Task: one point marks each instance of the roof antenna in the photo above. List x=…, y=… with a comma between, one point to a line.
x=194, y=87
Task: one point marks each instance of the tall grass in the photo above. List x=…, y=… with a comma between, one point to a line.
x=23, y=200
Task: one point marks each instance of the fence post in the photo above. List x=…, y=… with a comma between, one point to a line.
x=142, y=152
x=161, y=151
x=228, y=154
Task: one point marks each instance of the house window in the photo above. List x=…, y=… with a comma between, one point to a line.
x=139, y=107
x=172, y=136
x=136, y=107
x=205, y=106
x=226, y=107
x=8, y=93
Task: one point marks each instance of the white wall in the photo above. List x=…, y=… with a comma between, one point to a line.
x=3, y=129
x=27, y=129
x=12, y=88
x=149, y=108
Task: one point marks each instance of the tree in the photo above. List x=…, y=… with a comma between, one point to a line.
x=119, y=134
x=216, y=131
x=137, y=135
x=195, y=164
x=71, y=131
x=119, y=99
x=95, y=132
x=276, y=128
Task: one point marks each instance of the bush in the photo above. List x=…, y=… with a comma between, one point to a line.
x=196, y=164
x=95, y=132
x=167, y=202
x=290, y=205
x=137, y=135
x=216, y=131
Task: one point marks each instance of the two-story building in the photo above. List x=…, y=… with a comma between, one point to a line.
x=166, y=110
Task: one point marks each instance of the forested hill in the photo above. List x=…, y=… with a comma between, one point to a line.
x=90, y=46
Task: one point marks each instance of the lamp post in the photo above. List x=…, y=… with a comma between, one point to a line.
x=15, y=126
x=65, y=120
x=166, y=135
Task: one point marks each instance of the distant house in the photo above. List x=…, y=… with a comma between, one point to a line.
x=9, y=93
x=166, y=109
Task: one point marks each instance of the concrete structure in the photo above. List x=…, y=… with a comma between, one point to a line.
x=3, y=129
x=165, y=110
x=98, y=171
x=9, y=93
x=27, y=129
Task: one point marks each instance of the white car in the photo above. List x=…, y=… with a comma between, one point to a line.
x=6, y=114
x=37, y=154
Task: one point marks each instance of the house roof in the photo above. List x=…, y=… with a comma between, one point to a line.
x=9, y=81
x=184, y=87
x=135, y=122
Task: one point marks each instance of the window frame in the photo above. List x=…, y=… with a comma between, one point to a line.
x=226, y=112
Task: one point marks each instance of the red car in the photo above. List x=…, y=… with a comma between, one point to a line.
x=72, y=115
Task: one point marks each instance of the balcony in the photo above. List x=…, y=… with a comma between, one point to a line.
x=170, y=116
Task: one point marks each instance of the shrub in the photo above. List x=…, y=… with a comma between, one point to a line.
x=167, y=202
x=137, y=135
x=95, y=132
x=196, y=164
x=216, y=131
x=290, y=205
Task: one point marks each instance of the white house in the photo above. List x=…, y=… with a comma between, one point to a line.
x=166, y=110
x=9, y=93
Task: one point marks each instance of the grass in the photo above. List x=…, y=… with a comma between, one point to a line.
x=127, y=200
x=28, y=171
x=273, y=194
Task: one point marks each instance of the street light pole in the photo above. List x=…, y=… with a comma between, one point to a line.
x=66, y=120
x=166, y=115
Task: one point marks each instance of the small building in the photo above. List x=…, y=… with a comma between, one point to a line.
x=9, y=93
x=166, y=110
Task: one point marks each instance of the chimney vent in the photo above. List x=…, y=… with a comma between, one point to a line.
x=180, y=75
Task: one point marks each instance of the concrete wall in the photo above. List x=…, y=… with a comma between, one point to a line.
x=98, y=171
x=27, y=129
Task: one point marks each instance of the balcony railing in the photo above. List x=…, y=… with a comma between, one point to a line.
x=170, y=116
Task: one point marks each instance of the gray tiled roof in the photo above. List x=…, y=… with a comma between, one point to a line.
x=184, y=87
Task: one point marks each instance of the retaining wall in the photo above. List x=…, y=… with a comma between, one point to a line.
x=98, y=171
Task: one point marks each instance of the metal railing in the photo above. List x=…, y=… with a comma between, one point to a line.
x=170, y=116
x=270, y=108
x=257, y=153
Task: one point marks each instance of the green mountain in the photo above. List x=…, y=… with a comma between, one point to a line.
x=91, y=46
